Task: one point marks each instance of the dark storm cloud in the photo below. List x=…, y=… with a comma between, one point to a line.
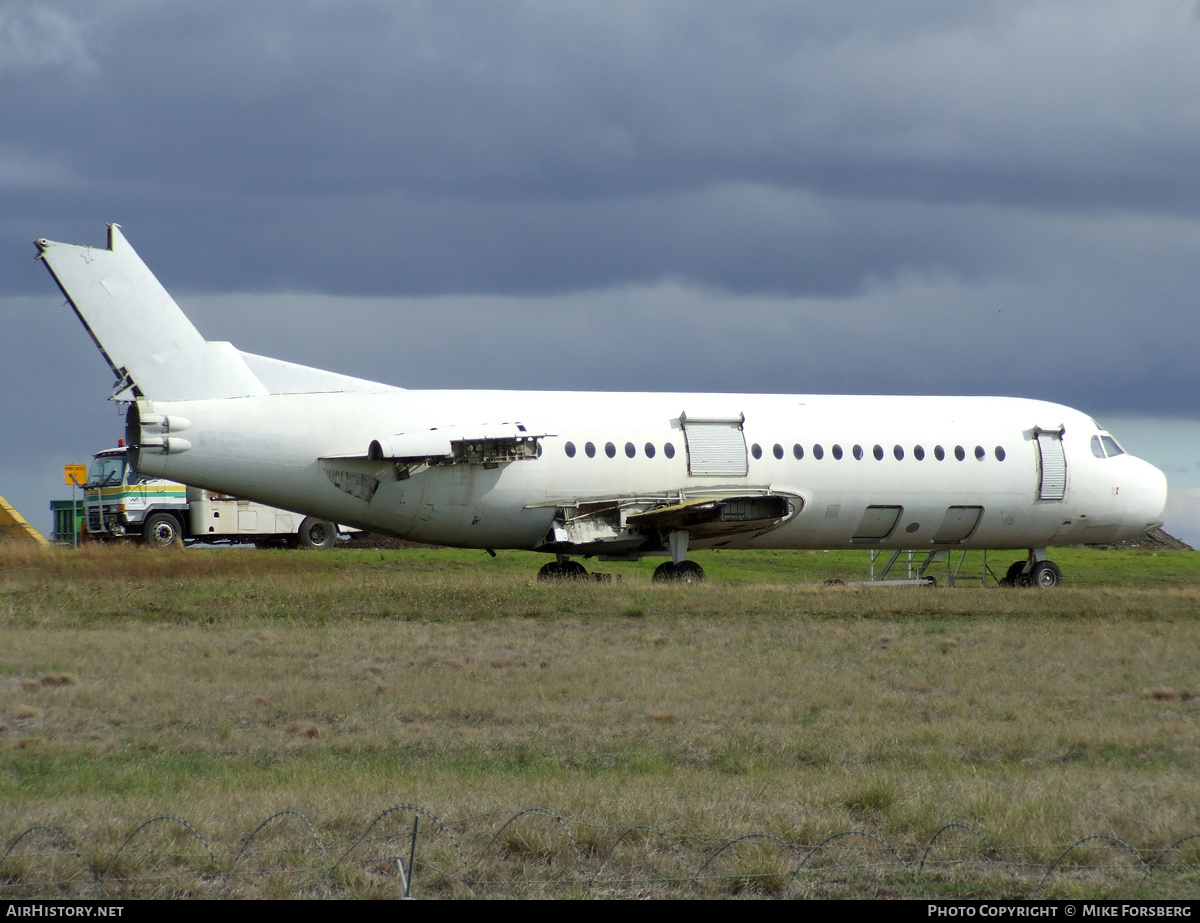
x=503, y=145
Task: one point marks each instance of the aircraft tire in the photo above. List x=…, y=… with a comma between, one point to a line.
x=566, y=570
x=317, y=534
x=689, y=572
x=1046, y=575
x=161, y=530
x=1012, y=576
x=664, y=572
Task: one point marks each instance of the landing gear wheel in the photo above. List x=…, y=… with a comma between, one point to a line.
x=573, y=570
x=562, y=570
x=551, y=571
x=317, y=534
x=689, y=572
x=1013, y=575
x=685, y=571
x=162, y=531
x=1045, y=575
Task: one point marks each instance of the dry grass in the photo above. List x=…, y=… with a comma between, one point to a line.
x=342, y=685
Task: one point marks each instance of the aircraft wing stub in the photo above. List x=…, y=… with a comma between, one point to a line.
x=711, y=517
x=641, y=522
x=488, y=444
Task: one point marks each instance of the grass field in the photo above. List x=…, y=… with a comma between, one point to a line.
x=222, y=686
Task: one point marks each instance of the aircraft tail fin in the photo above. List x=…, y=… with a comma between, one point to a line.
x=153, y=349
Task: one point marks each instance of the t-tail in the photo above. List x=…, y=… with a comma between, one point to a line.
x=153, y=349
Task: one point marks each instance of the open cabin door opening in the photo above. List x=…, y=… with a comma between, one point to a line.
x=1052, y=464
x=716, y=446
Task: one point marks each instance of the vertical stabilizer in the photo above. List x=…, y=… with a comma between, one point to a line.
x=153, y=348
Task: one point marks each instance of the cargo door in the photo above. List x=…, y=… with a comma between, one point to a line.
x=716, y=447
x=957, y=525
x=877, y=524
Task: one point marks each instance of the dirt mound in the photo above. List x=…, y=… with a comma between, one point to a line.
x=371, y=540
x=1158, y=540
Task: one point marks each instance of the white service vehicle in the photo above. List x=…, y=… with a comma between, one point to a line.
x=122, y=503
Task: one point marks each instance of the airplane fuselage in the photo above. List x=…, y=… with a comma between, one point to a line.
x=859, y=471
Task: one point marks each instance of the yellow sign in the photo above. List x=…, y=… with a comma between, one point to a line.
x=74, y=475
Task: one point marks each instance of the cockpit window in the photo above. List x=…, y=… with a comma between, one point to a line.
x=1111, y=447
x=1096, y=448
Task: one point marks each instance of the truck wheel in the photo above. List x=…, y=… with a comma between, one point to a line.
x=162, y=531
x=317, y=533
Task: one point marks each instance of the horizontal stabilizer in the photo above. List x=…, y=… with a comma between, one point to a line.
x=281, y=377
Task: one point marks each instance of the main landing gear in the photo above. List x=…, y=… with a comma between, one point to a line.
x=685, y=571
x=678, y=568
x=1036, y=571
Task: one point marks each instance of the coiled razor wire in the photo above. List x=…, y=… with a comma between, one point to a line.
x=168, y=855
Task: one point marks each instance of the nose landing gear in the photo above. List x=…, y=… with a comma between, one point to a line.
x=1036, y=571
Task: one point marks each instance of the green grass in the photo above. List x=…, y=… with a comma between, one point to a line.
x=222, y=686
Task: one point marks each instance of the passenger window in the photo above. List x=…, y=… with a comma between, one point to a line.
x=919, y=453
x=630, y=449
x=818, y=452
x=898, y=452
x=590, y=449
x=1111, y=446
x=939, y=453
x=756, y=450
x=797, y=451
x=610, y=450
x=959, y=453
x=837, y=451
x=878, y=453
x=669, y=450
x=570, y=447
x=858, y=452
x=980, y=452
x=778, y=450
x=649, y=449
x=999, y=453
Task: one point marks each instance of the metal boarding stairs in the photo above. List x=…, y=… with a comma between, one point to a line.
x=919, y=567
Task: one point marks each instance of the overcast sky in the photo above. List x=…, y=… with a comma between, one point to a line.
x=873, y=197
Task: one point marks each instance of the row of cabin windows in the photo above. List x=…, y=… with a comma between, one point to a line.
x=818, y=452
x=589, y=449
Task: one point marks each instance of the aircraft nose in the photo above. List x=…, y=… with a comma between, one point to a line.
x=1150, y=500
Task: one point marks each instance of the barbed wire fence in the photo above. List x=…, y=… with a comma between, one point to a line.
x=535, y=852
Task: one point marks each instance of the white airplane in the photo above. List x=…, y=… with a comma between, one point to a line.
x=613, y=475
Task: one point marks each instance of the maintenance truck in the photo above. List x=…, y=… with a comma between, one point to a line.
x=121, y=503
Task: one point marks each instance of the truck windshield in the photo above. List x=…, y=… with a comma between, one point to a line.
x=106, y=471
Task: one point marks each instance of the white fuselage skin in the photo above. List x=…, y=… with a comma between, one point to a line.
x=269, y=448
